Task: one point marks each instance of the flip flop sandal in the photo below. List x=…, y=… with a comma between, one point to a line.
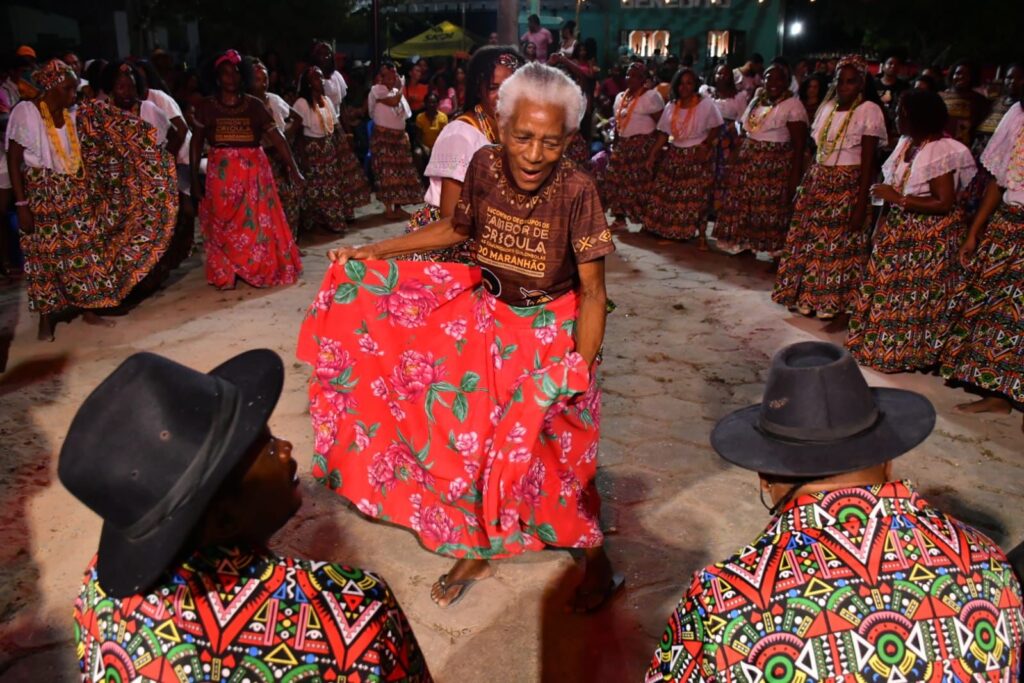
x=464, y=584
x=614, y=587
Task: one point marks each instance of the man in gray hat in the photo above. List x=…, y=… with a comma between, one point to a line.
x=856, y=578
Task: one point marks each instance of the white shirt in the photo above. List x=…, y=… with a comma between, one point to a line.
x=640, y=122
x=731, y=108
x=999, y=158
x=385, y=115
x=933, y=160
x=335, y=88
x=25, y=126
x=154, y=116
x=450, y=157
x=279, y=109
x=702, y=118
x=170, y=107
x=867, y=120
x=774, y=126
x=312, y=125
x=747, y=84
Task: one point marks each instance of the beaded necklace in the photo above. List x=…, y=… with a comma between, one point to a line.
x=755, y=121
x=826, y=147
x=484, y=123
x=625, y=112
x=678, y=130
x=901, y=186
x=72, y=163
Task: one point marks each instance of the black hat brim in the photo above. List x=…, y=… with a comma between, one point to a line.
x=906, y=420
x=128, y=566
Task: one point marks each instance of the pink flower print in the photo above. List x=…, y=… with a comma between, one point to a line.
x=496, y=413
x=454, y=291
x=414, y=374
x=457, y=488
x=496, y=358
x=517, y=433
x=436, y=525
x=416, y=501
x=396, y=410
x=565, y=443
x=409, y=304
x=367, y=508
x=362, y=438
x=467, y=444
x=483, y=312
x=379, y=387
x=325, y=429
x=509, y=518
x=438, y=273
x=589, y=455
x=456, y=329
x=520, y=454
x=546, y=334
x=323, y=300
x=331, y=361
x=381, y=472
x=530, y=486
x=396, y=463
x=471, y=521
x=570, y=484
x=341, y=401
x=368, y=345
x=472, y=468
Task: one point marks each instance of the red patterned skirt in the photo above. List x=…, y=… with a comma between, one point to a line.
x=626, y=181
x=579, y=151
x=985, y=347
x=902, y=314
x=681, y=193
x=289, y=194
x=423, y=217
x=335, y=184
x=754, y=213
x=728, y=138
x=393, y=168
x=822, y=266
x=438, y=408
x=244, y=226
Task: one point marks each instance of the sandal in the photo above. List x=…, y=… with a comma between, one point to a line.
x=464, y=584
x=614, y=587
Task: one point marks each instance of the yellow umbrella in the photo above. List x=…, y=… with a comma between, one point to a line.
x=438, y=41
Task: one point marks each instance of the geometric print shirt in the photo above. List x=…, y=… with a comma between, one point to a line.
x=860, y=585
x=239, y=614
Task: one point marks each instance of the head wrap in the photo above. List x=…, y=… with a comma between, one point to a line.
x=52, y=74
x=509, y=60
x=856, y=61
x=25, y=51
x=231, y=56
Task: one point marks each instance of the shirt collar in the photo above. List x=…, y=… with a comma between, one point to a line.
x=807, y=512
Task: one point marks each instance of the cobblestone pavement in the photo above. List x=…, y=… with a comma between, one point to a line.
x=689, y=342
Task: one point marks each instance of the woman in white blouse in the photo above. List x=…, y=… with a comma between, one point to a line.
x=764, y=176
x=731, y=104
x=289, y=124
x=902, y=316
x=985, y=346
x=827, y=243
x=627, y=180
x=681, y=193
x=335, y=185
x=394, y=172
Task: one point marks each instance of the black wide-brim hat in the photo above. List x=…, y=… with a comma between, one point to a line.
x=819, y=418
x=151, y=446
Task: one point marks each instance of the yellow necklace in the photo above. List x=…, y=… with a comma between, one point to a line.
x=826, y=147
x=72, y=164
x=326, y=122
x=755, y=121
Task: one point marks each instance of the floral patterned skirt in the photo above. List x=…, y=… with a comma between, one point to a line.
x=335, y=184
x=626, y=181
x=754, y=213
x=985, y=347
x=681, y=193
x=393, y=168
x=901, y=317
x=728, y=138
x=245, y=230
x=289, y=194
x=824, y=260
x=438, y=408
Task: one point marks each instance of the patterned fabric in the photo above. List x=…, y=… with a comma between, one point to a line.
x=393, y=168
x=728, y=139
x=626, y=181
x=901, y=316
x=335, y=184
x=289, y=194
x=438, y=408
x=681, y=193
x=985, y=346
x=824, y=260
x=67, y=262
x=754, y=213
x=244, y=226
x=235, y=615
x=861, y=585
x=579, y=151
x=424, y=216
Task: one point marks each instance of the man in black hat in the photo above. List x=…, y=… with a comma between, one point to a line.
x=856, y=578
x=191, y=484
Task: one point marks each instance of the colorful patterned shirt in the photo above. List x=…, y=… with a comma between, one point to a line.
x=862, y=585
x=231, y=614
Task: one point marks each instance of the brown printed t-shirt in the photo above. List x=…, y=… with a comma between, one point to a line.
x=241, y=126
x=529, y=245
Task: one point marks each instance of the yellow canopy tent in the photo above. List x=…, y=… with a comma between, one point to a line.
x=438, y=41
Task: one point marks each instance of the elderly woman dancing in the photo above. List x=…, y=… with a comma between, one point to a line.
x=460, y=401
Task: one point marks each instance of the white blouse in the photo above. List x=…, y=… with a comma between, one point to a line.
x=170, y=107
x=280, y=110
x=704, y=117
x=731, y=108
x=154, y=116
x=335, y=88
x=385, y=115
x=1004, y=158
x=774, y=126
x=312, y=125
x=450, y=157
x=25, y=126
x=867, y=120
x=640, y=121
x=935, y=159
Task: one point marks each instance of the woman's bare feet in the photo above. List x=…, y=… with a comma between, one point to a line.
x=46, y=325
x=989, y=404
x=450, y=588
x=599, y=584
x=90, y=318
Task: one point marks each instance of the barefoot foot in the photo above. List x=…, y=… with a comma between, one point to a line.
x=600, y=583
x=90, y=318
x=989, y=404
x=450, y=588
x=46, y=328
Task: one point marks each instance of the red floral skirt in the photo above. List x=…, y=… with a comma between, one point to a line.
x=438, y=408
x=243, y=222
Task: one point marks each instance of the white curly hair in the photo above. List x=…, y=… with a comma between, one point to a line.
x=542, y=84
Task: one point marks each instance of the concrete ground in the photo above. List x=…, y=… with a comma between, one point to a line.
x=690, y=341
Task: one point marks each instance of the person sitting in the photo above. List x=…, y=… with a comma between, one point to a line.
x=429, y=123
x=190, y=487
x=857, y=577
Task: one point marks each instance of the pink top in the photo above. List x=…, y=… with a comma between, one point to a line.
x=450, y=157
x=1004, y=155
x=935, y=159
x=446, y=104
x=542, y=41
